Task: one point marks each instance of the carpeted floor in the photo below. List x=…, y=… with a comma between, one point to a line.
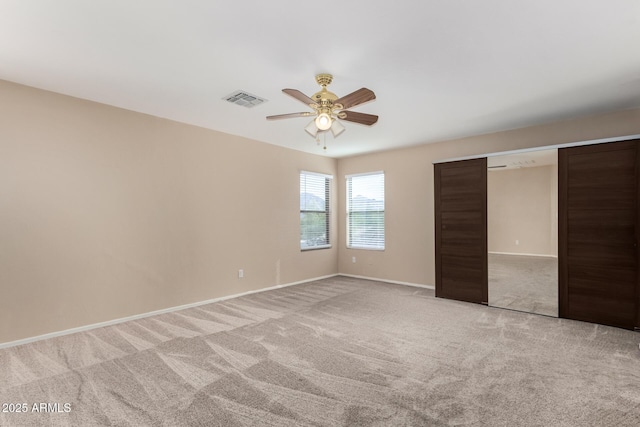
x=524, y=283
x=336, y=352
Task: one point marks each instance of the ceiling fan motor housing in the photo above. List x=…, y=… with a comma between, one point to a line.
x=325, y=99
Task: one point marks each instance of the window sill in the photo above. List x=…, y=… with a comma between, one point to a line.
x=315, y=248
x=364, y=248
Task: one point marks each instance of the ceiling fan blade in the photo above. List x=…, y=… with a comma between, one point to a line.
x=356, y=98
x=299, y=96
x=362, y=118
x=290, y=115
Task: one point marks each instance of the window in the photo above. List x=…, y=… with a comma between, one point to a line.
x=365, y=211
x=314, y=210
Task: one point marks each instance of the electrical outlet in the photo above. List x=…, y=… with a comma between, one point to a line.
x=240, y=274
x=517, y=242
x=353, y=260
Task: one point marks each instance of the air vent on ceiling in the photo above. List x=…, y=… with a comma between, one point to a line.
x=244, y=98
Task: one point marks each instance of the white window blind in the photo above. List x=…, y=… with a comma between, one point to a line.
x=315, y=208
x=365, y=211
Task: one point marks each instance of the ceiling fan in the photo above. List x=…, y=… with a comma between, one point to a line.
x=328, y=108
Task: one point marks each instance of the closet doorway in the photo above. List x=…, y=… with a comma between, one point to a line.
x=598, y=228
x=522, y=231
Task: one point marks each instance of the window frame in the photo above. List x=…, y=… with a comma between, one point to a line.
x=349, y=213
x=328, y=179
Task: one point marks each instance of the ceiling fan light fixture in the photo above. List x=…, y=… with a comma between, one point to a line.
x=323, y=121
x=311, y=128
x=337, y=128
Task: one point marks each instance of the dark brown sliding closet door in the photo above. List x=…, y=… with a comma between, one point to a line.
x=461, y=230
x=598, y=218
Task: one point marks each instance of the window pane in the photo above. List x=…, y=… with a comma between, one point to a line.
x=366, y=230
x=313, y=192
x=313, y=229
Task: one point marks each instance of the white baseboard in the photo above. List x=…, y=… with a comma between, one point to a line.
x=150, y=313
x=395, y=282
x=521, y=254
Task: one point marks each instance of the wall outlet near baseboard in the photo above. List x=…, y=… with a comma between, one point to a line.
x=353, y=260
x=240, y=274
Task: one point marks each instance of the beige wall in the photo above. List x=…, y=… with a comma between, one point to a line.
x=409, y=254
x=520, y=207
x=106, y=213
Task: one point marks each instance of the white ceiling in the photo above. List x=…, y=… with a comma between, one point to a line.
x=440, y=69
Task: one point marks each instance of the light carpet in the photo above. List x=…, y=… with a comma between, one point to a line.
x=335, y=352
